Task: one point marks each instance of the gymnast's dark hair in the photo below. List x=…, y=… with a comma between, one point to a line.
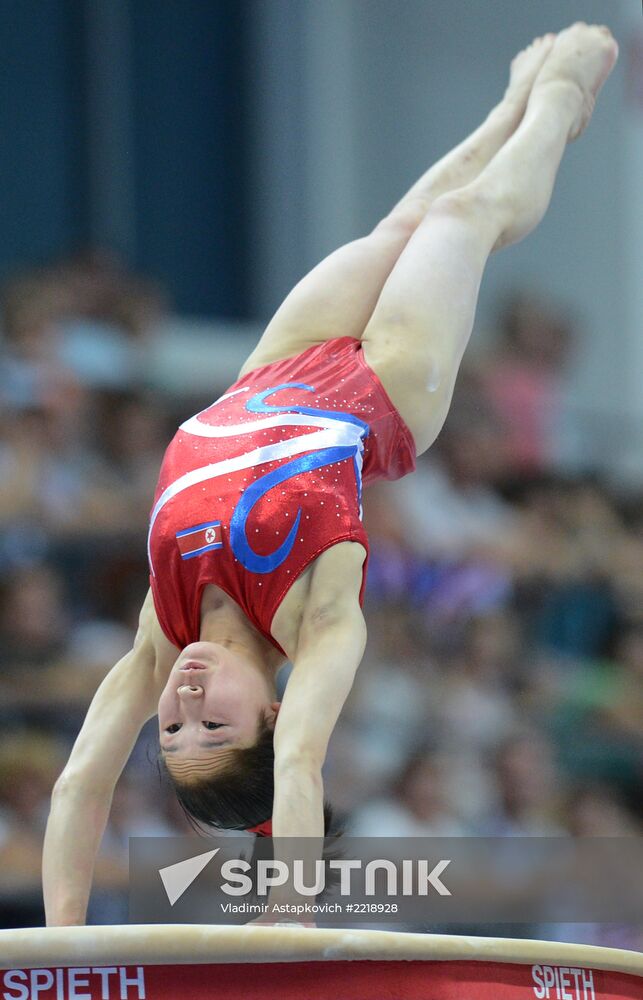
x=239, y=796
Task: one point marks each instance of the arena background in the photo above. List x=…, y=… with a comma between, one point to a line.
x=168, y=170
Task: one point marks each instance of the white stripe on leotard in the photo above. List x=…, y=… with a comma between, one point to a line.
x=335, y=432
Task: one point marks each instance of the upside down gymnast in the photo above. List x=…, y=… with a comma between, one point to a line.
x=256, y=546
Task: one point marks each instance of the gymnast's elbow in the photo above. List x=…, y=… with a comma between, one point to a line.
x=77, y=783
x=302, y=758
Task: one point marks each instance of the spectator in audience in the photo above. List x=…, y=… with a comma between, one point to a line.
x=417, y=805
x=529, y=789
x=599, y=811
x=522, y=380
x=451, y=508
x=33, y=618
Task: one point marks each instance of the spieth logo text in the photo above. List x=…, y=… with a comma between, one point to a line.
x=82, y=983
x=560, y=982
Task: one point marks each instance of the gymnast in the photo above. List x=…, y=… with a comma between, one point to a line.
x=256, y=546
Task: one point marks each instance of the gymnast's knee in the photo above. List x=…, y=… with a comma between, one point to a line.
x=475, y=204
x=401, y=223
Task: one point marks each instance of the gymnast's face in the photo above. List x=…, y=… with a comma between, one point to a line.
x=211, y=704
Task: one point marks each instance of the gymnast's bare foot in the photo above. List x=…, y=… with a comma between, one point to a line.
x=583, y=55
x=525, y=68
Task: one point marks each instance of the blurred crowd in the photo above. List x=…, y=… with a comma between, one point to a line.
x=502, y=688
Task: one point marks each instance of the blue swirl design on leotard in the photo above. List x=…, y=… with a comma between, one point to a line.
x=254, y=493
x=256, y=404
x=251, y=560
x=338, y=436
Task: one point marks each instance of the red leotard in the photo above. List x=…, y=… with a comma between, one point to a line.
x=255, y=487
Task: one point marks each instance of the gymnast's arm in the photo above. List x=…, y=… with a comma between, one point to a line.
x=329, y=650
x=82, y=796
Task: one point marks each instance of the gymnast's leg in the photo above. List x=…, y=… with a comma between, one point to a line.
x=417, y=334
x=338, y=296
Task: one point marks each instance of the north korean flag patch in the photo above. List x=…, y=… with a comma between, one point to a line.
x=199, y=539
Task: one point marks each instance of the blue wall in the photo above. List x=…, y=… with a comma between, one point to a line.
x=41, y=124
x=188, y=95
x=189, y=126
